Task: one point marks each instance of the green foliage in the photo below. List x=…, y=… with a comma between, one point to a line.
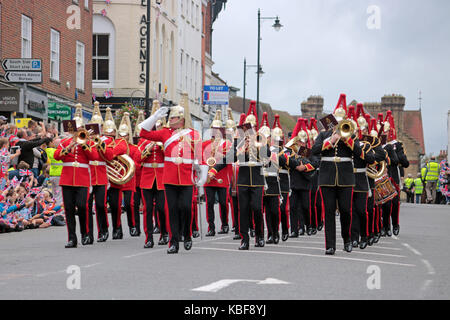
x=132, y=110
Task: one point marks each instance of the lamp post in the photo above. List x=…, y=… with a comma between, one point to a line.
x=147, y=57
x=260, y=73
x=277, y=26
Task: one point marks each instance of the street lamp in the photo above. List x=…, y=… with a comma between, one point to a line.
x=147, y=57
x=277, y=26
x=260, y=73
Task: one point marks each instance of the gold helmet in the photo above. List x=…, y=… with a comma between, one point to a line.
x=265, y=129
x=217, y=122
x=96, y=116
x=313, y=129
x=230, y=124
x=361, y=117
x=78, y=116
x=125, y=128
x=340, y=112
x=252, y=117
x=277, y=131
x=182, y=111
x=109, y=126
x=140, y=118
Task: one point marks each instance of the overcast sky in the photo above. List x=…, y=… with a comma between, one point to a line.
x=326, y=48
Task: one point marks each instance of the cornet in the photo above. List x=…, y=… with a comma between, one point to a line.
x=345, y=128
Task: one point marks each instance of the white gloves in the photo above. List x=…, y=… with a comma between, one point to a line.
x=150, y=122
x=203, y=175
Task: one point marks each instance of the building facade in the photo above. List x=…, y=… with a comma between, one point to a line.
x=119, y=52
x=59, y=33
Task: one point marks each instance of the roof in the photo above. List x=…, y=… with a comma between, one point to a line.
x=412, y=123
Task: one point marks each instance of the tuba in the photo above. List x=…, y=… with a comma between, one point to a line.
x=374, y=173
x=121, y=169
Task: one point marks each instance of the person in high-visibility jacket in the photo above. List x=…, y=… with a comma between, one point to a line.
x=55, y=171
x=408, y=189
x=431, y=177
x=418, y=187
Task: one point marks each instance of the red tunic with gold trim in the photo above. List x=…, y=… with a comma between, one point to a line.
x=219, y=154
x=182, y=147
x=98, y=164
x=152, y=161
x=75, y=170
x=121, y=147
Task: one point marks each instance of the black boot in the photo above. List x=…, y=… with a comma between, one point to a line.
x=330, y=251
x=284, y=237
x=244, y=245
x=210, y=233
x=363, y=243
x=195, y=234
x=71, y=244
x=270, y=240
x=172, y=249
x=188, y=244
x=224, y=230
x=354, y=243
x=276, y=238
x=149, y=243
x=252, y=233
x=348, y=247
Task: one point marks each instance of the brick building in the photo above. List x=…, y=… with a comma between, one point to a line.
x=59, y=32
x=407, y=122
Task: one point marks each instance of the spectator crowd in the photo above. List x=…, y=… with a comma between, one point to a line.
x=30, y=196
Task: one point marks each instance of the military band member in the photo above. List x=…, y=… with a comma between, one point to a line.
x=214, y=150
x=75, y=182
x=182, y=151
x=315, y=200
x=152, y=162
x=336, y=177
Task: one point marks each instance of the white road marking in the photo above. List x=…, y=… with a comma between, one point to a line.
x=321, y=249
x=376, y=246
x=429, y=267
x=412, y=249
x=308, y=255
x=221, y=284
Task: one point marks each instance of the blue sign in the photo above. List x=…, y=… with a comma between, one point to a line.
x=216, y=95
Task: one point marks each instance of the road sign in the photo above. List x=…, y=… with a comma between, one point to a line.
x=23, y=76
x=22, y=64
x=216, y=95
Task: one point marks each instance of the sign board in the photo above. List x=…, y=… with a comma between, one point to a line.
x=9, y=99
x=59, y=111
x=216, y=95
x=22, y=64
x=22, y=122
x=23, y=76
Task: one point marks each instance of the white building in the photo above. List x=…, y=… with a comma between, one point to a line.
x=189, y=56
x=119, y=51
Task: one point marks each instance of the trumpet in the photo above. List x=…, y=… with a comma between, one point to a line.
x=81, y=136
x=345, y=128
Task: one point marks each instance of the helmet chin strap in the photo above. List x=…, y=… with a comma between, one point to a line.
x=175, y=123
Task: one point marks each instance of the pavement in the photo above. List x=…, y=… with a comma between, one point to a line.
x=35, y=265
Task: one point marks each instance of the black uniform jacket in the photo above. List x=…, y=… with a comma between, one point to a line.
x=299, y=180
x=250, y=165
x=380, y=155
x=361, y=179
x=339, y=173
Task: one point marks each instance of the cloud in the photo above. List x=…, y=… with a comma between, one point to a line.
x=326, y=48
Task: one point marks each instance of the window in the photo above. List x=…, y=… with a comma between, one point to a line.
x=54, y=54
x=196, y=16
x=192, y=12
x=100, y=57
x=86, y=4
x=80, y=65
x=26, y=37
x=181, y=71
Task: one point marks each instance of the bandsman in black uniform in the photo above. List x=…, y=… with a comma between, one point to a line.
x=301, y=168
x=316, y=199
x=252, y=153
x=337, y=148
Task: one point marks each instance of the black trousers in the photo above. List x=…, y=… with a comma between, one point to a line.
x=272, y=213
x=137, y=199
x=371, y=215
x=76, y=201
x=115, y=203
x=299, y=209
x=409, y=197
x=101, y=213
x=284, y=214
x=315, y=213
x=391, y=210
x=360, y=216
x=235, y=214
x=154, y=201
x=179, y=205
x=343, y=196
x=132, y=218
x=250, y=201
x=210, y=194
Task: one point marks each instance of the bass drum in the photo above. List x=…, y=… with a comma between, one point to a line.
x=384, y=190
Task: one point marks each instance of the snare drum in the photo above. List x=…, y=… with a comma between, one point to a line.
x=384, y=190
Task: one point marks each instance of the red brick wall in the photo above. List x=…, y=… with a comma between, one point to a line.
x=47, y=14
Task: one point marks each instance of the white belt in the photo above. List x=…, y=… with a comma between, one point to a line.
x=179, y=160
x=97, y=163
x=284, y=171
x=270, y=174
x=153, y=165
x=336, y=159
x=360, y=170
x=250, y=164
x=76, y=165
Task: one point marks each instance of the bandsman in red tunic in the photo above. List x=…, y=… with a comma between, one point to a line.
x=75, y=182
x=182, y=155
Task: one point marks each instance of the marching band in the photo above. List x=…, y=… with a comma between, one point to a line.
x=351, y=167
